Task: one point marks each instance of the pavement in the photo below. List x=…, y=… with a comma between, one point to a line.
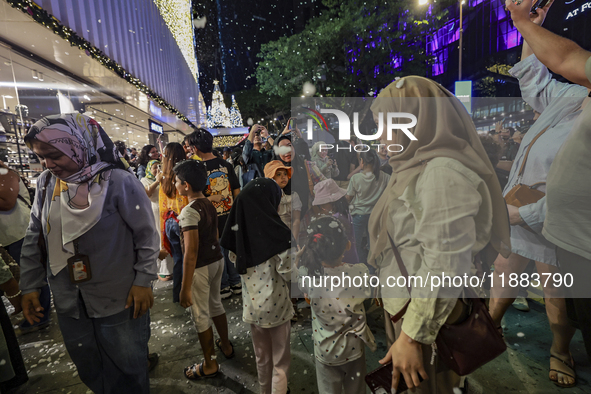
x=522, y=369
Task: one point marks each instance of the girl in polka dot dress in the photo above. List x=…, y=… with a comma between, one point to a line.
x=339, y=325
x=261, y=249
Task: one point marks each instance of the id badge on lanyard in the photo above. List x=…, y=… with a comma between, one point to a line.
x=79, y=266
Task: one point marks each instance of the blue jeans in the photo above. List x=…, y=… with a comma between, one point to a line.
x=360, y=228
x=230, y=276
x=173, y=233
x=110, y=352
x=14, y=250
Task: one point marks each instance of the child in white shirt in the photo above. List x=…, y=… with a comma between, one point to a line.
x=339, y=325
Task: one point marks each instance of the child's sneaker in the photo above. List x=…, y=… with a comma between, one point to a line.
x=226, y=293
x=236, y=289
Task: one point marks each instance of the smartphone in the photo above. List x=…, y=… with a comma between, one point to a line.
x=292, y=124
x=538, y=4
x=380, y=380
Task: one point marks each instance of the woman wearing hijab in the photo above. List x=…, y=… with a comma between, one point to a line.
x=92, y=236
x=443, y=205
x=151, y=181
x=305, y=174
x=261, y=244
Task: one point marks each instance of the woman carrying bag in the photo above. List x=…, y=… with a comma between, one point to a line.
x=443, y=205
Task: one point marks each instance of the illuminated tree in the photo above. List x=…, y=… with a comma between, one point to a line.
x=218, y=114
x=235, y=116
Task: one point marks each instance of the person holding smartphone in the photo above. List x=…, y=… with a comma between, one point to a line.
x=254, y=156
x=560, y=107
x=568, y=217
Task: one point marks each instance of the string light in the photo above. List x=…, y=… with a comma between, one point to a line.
x=226, y=140
x=177, y=15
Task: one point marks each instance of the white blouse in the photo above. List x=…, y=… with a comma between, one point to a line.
x=339, y=326
x=559, y=104
x=266, y=292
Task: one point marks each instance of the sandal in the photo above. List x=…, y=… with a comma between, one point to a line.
x=201, y=375
x=218, y=343
x=571, y=366
x=152, y=361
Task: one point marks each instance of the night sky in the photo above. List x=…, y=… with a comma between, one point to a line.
x=227, y=47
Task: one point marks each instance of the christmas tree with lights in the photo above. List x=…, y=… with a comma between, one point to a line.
x=218, y=114
x=203, y=114
x=235, y=115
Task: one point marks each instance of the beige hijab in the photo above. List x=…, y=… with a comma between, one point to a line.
x=443, y=129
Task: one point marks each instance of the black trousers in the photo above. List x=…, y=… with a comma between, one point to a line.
x=16, y=358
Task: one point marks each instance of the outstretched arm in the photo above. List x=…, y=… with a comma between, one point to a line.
x=559, y=54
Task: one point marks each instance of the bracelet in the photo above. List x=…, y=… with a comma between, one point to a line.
x=14, y=295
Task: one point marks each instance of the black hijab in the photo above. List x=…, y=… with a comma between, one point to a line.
x=254, y=231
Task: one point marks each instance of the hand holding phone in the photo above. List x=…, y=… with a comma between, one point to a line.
x=538, y=4
x=288, y=127
x=380, y=380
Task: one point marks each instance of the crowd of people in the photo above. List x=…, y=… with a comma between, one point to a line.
x=255, y=221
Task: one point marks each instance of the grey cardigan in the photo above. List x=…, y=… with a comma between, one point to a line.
x=122, y=247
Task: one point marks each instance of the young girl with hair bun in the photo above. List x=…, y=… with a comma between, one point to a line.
x=329, y=200
x=338, y=322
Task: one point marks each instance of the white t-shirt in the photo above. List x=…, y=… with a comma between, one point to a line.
x=366, y=191
x=189, y=217
x=568, y=215
x=339, y=325
x=147, y=183
x=14, y=223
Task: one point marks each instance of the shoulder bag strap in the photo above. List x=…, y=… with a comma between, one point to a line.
x=527, y=152
x=41, y=240
x=404, y=272
x=23, y=200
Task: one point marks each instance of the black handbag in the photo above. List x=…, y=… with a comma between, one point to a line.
x=469, y=344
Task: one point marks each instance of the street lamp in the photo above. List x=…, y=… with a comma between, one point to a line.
x=461, y=34
x=423, y=2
